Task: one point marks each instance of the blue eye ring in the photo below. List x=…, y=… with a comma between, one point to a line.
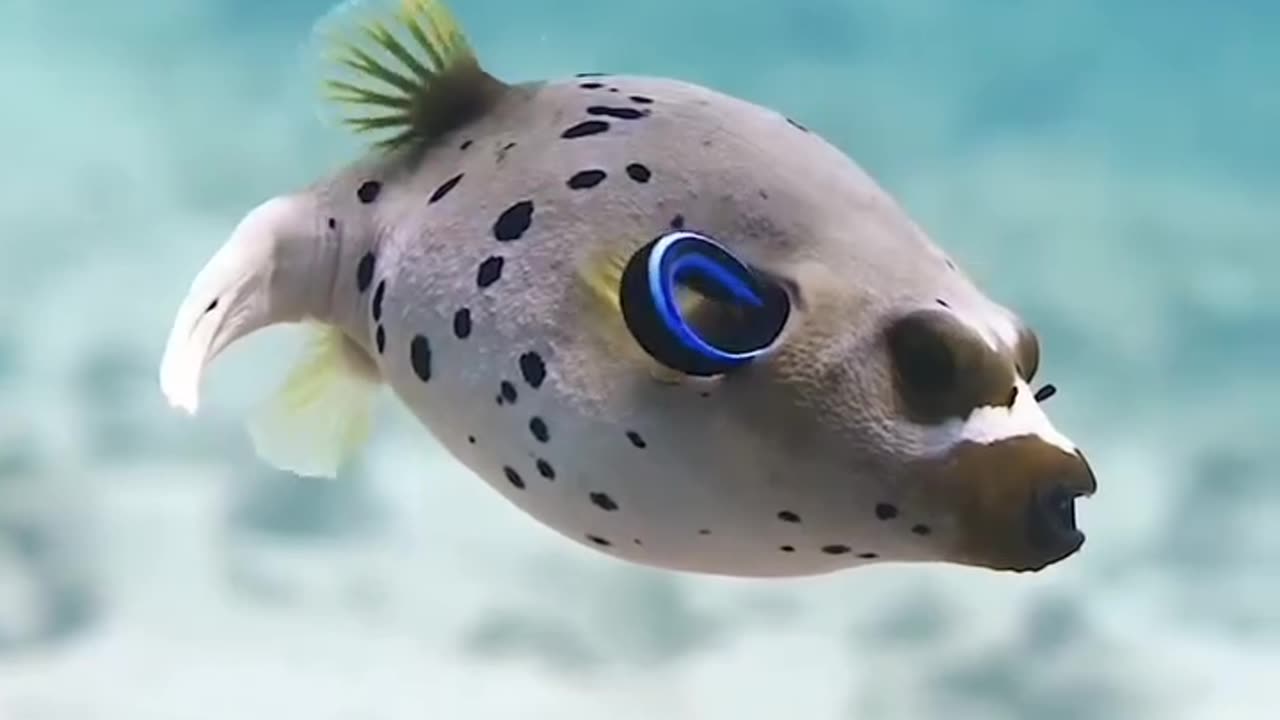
x=653, y=315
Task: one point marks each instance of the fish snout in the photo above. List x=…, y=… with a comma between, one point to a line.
x=1012, y=504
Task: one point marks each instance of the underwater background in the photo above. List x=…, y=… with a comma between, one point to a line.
x=1108, y=168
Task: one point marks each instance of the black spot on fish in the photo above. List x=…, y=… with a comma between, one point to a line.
x=538, y=427
x=545, y=469
x=420, y=357
x=704, y=531
x=513, y=477
x=502, y=151
x=868, y=556
x=797, y=125
x=465, y=144
x=462, y=324
x=787, y=549
x=637, y=542
x=788, y=516
x=533, y=369
x=599, y=540
x=378, y=295
x=618, y=113
x=943, y=303
x=332, y=223
x=641, y=100
x=590, y=74
x=368, y=191
x=635, y=439
x=507, y=391
x=639, y=173
x=885, y=511
x=471, y=439
x=444, y=188
x=591, y=85
x=921, y=529
x=951, y=264
x=603, y=501
x=586, y=179
x=585, y=129
x=835, y=549
x=514, y=221
x=677, y=222
x=380, y=338
x=489, y=272
x=211, y=306
x=364, y=272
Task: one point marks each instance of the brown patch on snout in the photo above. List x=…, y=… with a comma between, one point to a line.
x=1009, y=505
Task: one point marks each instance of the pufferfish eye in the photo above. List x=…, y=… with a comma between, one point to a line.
x=696, y=308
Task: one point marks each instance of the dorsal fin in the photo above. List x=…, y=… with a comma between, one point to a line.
x=404, y=70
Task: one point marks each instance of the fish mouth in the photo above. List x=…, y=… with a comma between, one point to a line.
x=1012, y=503
x=1051, y=526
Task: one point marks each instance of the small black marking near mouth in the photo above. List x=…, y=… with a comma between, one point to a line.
x=1046, y=392
x=1013, y=397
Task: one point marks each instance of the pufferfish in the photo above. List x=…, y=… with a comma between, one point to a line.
x=669, y=324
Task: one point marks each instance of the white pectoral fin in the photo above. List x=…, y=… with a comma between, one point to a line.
x=322, y=414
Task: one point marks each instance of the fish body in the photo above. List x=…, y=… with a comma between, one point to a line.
x=672, y=325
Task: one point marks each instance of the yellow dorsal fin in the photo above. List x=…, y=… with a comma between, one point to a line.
x=402, y=69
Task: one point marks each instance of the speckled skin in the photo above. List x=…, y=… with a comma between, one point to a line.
x=802, y=463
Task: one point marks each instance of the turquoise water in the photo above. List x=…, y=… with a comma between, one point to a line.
x=1110, y=168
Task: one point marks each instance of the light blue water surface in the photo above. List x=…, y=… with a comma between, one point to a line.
x=1110, y=168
